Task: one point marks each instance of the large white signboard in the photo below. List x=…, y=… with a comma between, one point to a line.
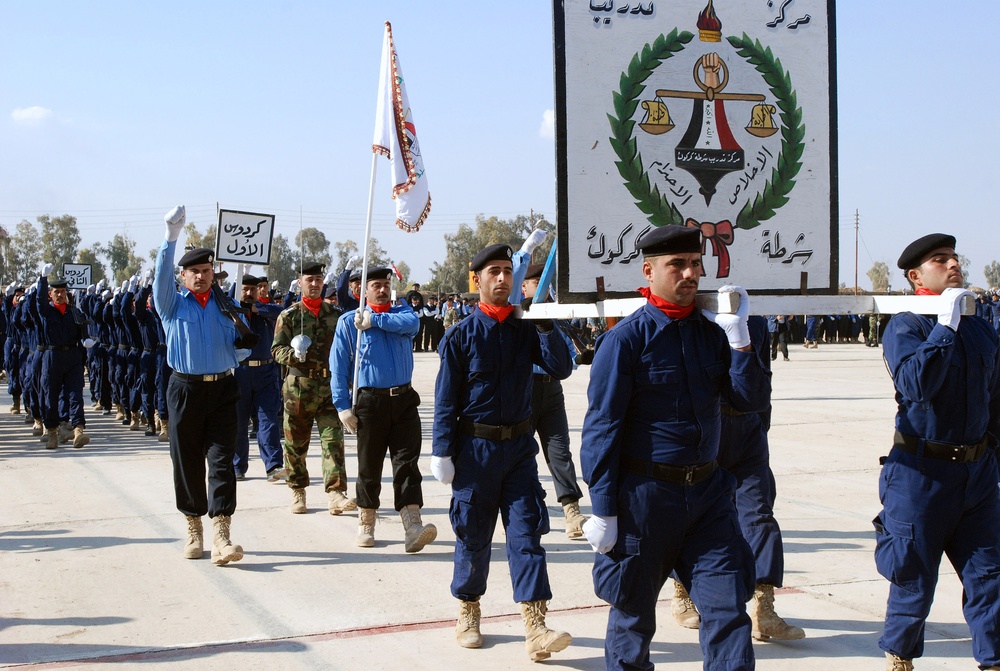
x=714, y=114
x=244, y=237
x=77, y=275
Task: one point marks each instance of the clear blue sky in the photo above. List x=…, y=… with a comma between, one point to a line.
x=116, y=111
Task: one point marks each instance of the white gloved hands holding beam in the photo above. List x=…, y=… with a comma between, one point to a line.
x=735, y=325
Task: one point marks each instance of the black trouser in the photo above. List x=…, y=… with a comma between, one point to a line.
x=388, y=423
x=425, y=339
x=779, y=341
x=203, y=428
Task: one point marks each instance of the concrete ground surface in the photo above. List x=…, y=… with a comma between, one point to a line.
x=91, y=573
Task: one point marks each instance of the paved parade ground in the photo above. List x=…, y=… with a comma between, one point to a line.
x=91, y=573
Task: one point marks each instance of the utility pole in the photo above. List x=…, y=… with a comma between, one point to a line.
x=856, y=223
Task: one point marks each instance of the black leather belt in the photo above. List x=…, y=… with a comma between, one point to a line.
x=253, y=363
x=491, y=432
x=681, y=475
x=729, y=411
x=312, y=373
x=55, y=348
x=387, y=391
x=539, y=377
x=960, y=454
x=202, y=378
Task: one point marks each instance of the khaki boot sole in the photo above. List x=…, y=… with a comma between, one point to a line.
x=557, y=644
x=470, y=639
x=81, y=440
x=233, y=553
x=426, y=537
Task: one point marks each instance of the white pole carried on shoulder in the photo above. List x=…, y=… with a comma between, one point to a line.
x=364, y=281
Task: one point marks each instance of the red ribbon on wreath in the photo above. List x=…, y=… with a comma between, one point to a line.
x=721, y=236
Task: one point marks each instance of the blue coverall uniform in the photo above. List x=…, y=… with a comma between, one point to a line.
x=483, y=384
x=655, y=393
x=260, y=391
x=948, y=391
x=61, y=359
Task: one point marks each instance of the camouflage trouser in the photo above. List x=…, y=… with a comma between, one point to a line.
x=307, y=400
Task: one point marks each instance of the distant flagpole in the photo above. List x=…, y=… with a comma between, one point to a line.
x=395, y=138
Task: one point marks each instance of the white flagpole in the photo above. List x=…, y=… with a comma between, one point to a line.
x=364, y=281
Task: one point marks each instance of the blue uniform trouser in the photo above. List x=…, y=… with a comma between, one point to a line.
x=62, y=372
x=133, y=383
x=932, y=507
x=103, y=376
x=743, y=452
x=548, y=418
x=491, y=478
x=162, y=378
x=119, y=367
x=147, y=385
x=93, y=379
x=12, y=358
x=812, y=328
x=32, y=373
x=664, y=527
x=260, y=393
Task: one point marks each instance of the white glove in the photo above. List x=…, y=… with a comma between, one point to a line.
x=735, y=325
x=101, y=285
x=293, y=287
x=349, y=421
x=601, y=533
x=274, y=285
x=90, y=289
x=536, y=238
x=124, y=285
x=300, y=344
x=330, y=278
x=46, y=269
x=362, y=319
x=88, y=343
x=443, y=469
x=106, y=294
x=351, y=262
x=148, y=280
x=132, y=283
x=951, y=315
x=242, y=353
x=174, y=219
x=9, y=291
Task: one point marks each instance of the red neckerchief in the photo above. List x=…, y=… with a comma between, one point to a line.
x=313, y=305
x=265, y=300
x=379, y=308
x=924, y=291
x=61, y=307
x=497, y=312
x=672, y=310
x=202, y=298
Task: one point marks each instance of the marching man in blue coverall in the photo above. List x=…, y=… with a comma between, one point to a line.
x=939, y=483
x=484, y=448
x=649, y=447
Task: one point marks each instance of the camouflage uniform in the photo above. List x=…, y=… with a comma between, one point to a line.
x=307, y=395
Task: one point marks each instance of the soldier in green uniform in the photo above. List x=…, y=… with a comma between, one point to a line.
x=303, y=336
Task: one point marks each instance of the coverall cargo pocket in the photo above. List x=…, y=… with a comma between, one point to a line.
x=465, y=518
x=896, y=558
x=616, y=576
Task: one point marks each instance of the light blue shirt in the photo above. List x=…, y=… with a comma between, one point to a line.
x=386, y=352
x=199, y=340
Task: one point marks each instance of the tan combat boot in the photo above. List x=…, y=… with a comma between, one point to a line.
x=164, y=435
x=418, y=534
x=893, y=663
x=366, y=528
x=80, y=438
x=683, y=608
x=467, y=630
x=65, y=433
x=298, y=500
x=539, y=640
x=766, y=623
x=137, y=423
x=51, y=438
x=119, y=412
x=15, y=408
x=574, y=520
x=195, y=544
x=223, y=549
x=36, y=428
x=340, y=503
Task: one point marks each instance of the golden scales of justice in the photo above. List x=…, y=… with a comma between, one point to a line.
x=657, y=120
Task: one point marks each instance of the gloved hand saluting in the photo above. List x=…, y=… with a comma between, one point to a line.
x=351, y=262
x=536, y=238
x=735, y=325
x=293, y=287
x=274, y=285
x=47, y=269
x=601, y=533
x=951, y=315
x=174, y=219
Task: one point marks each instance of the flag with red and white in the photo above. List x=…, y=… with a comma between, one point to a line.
x=395, y=272
x=396, y=138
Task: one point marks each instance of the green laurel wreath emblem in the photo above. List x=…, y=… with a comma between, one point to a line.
x=661, y=211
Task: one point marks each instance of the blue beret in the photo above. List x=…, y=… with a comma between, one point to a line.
x=491, y=253
x=921, y=247
x=197, y=257
x=670, y=240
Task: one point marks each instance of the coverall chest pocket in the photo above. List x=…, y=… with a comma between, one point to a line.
x=663, y=385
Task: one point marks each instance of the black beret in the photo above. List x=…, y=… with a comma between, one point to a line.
x=491, y=253
x=250, y=280
x=921, y=247
x=262, y=279
x=58, y=283
x=670, y=240
x=534, y=271
x=313, y=268
x=378, y=274
x=221, y=275
x=355, y=276
x=196, y=257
